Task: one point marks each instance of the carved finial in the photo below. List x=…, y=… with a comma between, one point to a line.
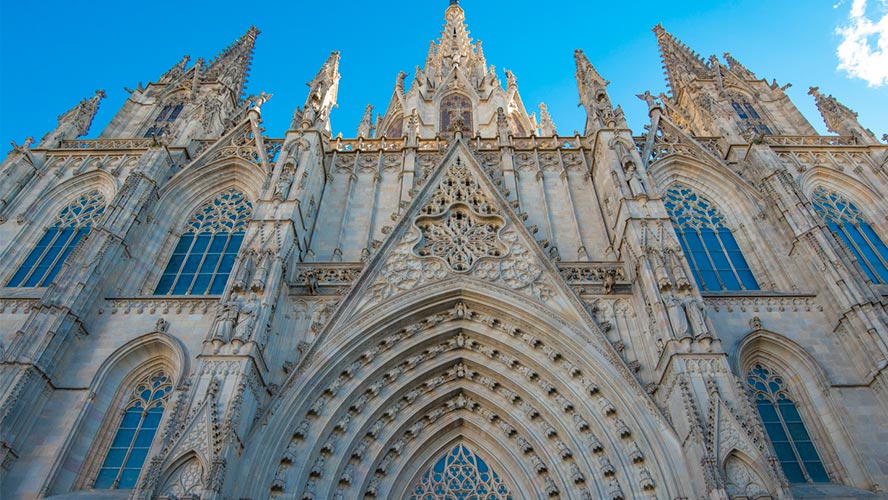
x=365, y=128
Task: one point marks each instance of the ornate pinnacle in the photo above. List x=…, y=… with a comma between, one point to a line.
x=682, y=64
x=232, y=66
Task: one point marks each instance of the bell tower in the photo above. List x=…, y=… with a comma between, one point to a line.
x=715, y=98
x=187, y=102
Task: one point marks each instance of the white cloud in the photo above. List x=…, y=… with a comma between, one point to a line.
x=863, y=52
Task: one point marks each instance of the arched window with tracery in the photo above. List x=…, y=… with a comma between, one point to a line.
x=141, y=418
x=205, y=253
x=460, y=475
x=70, y=226
x=456, y=115
x=715, y=257
x=751, y=119
x=795, y=450
x=851, y=227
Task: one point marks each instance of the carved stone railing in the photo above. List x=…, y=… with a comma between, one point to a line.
x=17, y=305
x=107, y=144
x=161, y=305
x=582, y=273
x=763, y=303
x=810, y=140
x=441, y=144
x=327, y=273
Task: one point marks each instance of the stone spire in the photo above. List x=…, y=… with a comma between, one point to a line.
x=681, y=63
x=365, y=128
x=322, y=95
x=600, y=112
x=232, y=66
x=547, y=125
x=840, y=119
x=75, y=122
x=455, y=51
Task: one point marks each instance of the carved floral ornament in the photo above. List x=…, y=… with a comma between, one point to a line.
x=460, y=230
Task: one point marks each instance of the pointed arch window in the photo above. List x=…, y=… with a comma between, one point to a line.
x=70, y=226
x=125, y=458
x=715, y=258
x=795, y=450
x=460, y=475
x=850, y=226
x=205, y=253
x=456, y=114
x=750, y=117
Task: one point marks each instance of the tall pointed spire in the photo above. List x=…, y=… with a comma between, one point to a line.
x=232, y=66
x=324, y=88
x=600, y=112
x=839, y=118
x=681, y=63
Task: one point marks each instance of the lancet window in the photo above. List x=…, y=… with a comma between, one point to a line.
x=70, y=226
x=750, y=117
x=141, y=418
x=715, y=257
x=460, y=475
x=795, y=450
x=168, y=114
x=205, y=253
x=850, y=227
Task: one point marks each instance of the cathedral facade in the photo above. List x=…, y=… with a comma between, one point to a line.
x=458, y=303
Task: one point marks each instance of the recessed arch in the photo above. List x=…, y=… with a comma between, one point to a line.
x=810, y=389
x=86, y=445
x=370, y=352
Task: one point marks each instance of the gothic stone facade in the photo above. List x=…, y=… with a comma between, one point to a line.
x=459, y=299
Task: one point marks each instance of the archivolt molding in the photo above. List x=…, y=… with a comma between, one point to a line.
x=460, y=374
x=416, y=346
x=859, y=193
x=809, y=386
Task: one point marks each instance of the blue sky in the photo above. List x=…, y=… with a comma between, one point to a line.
x=54, y=53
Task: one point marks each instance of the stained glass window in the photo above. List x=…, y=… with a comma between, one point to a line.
x=460, y=475
x=60, y=238
x=128, y=451
x=713, y=252
x=783, y=423
x=205, y=253
x=456, y=114
x=751, y=119
x=849, y=226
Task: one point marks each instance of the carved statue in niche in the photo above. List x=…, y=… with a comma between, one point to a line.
x=502, y=125
x=311, y=282
x=677, y=316
x=226, y=319
x=244, y=272
x=284, y=183
x=261, y=275
x=456, y=115
x=246, y=319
